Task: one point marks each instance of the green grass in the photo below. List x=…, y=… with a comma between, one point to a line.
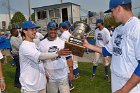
x=82, y=85
x=98, y=85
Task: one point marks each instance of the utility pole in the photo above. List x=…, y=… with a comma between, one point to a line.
x=29, y=7
x=9, y=13
x=61, y=1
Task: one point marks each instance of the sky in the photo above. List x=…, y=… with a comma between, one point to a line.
x=86, y=5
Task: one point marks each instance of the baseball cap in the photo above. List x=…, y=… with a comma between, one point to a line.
x=71, y=28
x=99, y=21
x=115, y=3
x=29, y=25
x=52, y=25
x=67, y=22
x=63, y=24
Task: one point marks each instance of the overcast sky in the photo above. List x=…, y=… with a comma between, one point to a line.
x=92, y=5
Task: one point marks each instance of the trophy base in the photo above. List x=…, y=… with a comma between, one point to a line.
x=76, y=49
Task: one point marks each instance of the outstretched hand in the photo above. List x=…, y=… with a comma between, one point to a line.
x=86, y=44
x=64, y=52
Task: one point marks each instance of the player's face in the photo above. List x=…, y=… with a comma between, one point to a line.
x=98, y=25
x=52, y=34
x=116, y=13
x=16, y=33
x=30, y=34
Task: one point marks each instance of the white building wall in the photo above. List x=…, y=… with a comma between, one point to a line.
x=76, y=13
x=4, y=17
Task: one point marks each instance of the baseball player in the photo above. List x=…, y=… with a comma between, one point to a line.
x=56, y=68
x=63, y=27
x=32, y=73
x=124, y=48
x=15, y=42
x=102, y=37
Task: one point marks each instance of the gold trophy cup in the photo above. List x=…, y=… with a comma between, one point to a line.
x=75, y=43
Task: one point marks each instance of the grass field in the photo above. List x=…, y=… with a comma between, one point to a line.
x=82, y=85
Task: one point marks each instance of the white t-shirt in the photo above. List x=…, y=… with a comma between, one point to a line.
x=32, y=73
x=125, y=48
x=102, y=37
x=56, y=68
x=1, y=56
x=65, y=35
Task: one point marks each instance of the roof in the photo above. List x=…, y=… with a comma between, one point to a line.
x=56, y=5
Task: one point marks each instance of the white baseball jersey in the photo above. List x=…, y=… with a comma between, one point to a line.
x=56, y=68
x=125, y=48
x=32, y=73
x=102, y=37
x=65, y=35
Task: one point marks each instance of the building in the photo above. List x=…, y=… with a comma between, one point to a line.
x=4, y=21
x=57, y=13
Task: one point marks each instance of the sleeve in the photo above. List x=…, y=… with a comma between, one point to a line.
x=107, y=36
x=68, y=57
x=105, y=52
x=137, y=70
x=32, y=53
x=109, y=46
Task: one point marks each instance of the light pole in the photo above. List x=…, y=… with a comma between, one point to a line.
x=29, y=7
x=9, y=13
x=61, y=1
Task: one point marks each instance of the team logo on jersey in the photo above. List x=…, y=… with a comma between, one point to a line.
x=99, y=36
x=117, y=49
x=54, y=49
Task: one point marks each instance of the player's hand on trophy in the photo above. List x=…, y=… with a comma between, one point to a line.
x=64, y=52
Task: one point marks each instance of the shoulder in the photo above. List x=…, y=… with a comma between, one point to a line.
x=60, y=40
x=43, y=42
x=106, y=29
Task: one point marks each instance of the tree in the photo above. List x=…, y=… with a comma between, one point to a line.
x=17, y=19
x=33, y=17
x=110, y=21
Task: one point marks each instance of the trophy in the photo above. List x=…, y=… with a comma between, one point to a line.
x=75, y=43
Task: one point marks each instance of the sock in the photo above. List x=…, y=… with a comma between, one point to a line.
x=106, y=70
x=94, y=70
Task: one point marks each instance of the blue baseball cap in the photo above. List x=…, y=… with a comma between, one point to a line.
x=63, y=24
x=115, y=3
x=67, y=22
x=52, y=25
x=29, y=25
x=99, y=21
x=71, y=28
